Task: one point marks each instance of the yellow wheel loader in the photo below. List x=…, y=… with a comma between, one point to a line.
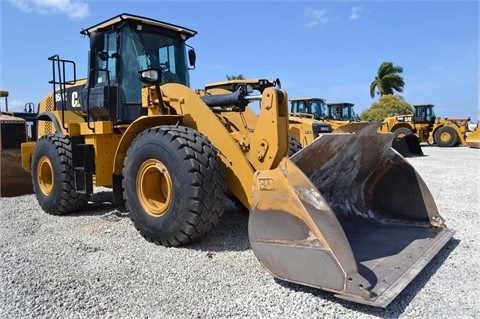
x=473, y=137
x=342, y=117
x=312, y=116
x=342, y=111
x=345, y=214
x=14, y=130
x=427, y=127
x=306, y=120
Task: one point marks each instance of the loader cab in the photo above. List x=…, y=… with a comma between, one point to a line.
x=119, y=49
x=342, y=111
x=316, y=107
x=424, y=114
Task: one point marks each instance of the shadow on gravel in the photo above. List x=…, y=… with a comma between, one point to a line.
x=398, y=305
x=231, y=234
x=101, y=203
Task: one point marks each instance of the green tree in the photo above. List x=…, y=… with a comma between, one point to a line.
x=387, y=105
x=387, y=80
x=235, y=77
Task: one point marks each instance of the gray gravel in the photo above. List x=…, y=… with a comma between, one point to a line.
x=96, y=265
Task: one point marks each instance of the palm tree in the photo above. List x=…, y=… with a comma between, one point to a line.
x=387, y=80
x=235, y=77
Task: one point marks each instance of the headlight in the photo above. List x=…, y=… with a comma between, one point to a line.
x=151, y=76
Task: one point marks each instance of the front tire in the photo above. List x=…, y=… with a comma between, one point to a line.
x=446, y=136
x=174, y=185
x=53, y=176
x=402, y=132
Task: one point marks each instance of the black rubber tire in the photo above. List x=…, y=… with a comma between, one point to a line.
x=196, y=193
x=401, y=132
x=56, y=193
x=450, y=133
x=295, y=145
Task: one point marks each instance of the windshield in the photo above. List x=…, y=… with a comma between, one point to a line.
x=348, y=114
x=318, y=108
x=343, y=112
x=430, y=114
x=151, y=48
x=315, y=107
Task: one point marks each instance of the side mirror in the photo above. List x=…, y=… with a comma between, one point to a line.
x=192, y=57
x=97, y=42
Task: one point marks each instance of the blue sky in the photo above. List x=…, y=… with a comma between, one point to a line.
x=328, y=49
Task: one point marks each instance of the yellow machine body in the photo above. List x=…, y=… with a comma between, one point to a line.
x=345, y=214
x=473, y=137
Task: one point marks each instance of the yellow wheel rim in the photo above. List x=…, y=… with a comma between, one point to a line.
x=154, y=187
x=45, y=175
x=445, y=137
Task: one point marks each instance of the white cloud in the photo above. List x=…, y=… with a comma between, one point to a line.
x=72, y=8
x=355, y=13
x=315, y=16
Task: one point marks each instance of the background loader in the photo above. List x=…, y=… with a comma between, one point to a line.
x=342, y=111
x=14, y=130
x=340, y=116
x=308, y=113
x=446, y=132
x=473, y=137
x=344, y=214
x=306, y=119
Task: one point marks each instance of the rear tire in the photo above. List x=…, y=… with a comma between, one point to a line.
x=446, y=136
x=295, y=145
x=53, y=177
x=174, y=185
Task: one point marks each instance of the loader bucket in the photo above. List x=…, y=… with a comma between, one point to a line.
x=351, y=127
x=473, y=139
x=408, y=145
x=346, y=214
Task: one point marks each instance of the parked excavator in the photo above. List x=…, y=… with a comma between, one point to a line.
x=15, y=128
x=345, y=214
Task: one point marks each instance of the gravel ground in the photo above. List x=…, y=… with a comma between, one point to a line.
x=96, y=265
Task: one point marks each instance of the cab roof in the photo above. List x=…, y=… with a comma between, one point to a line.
x=130, y=17
x=340, y=103
x=307, y=99
x=426, y=104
